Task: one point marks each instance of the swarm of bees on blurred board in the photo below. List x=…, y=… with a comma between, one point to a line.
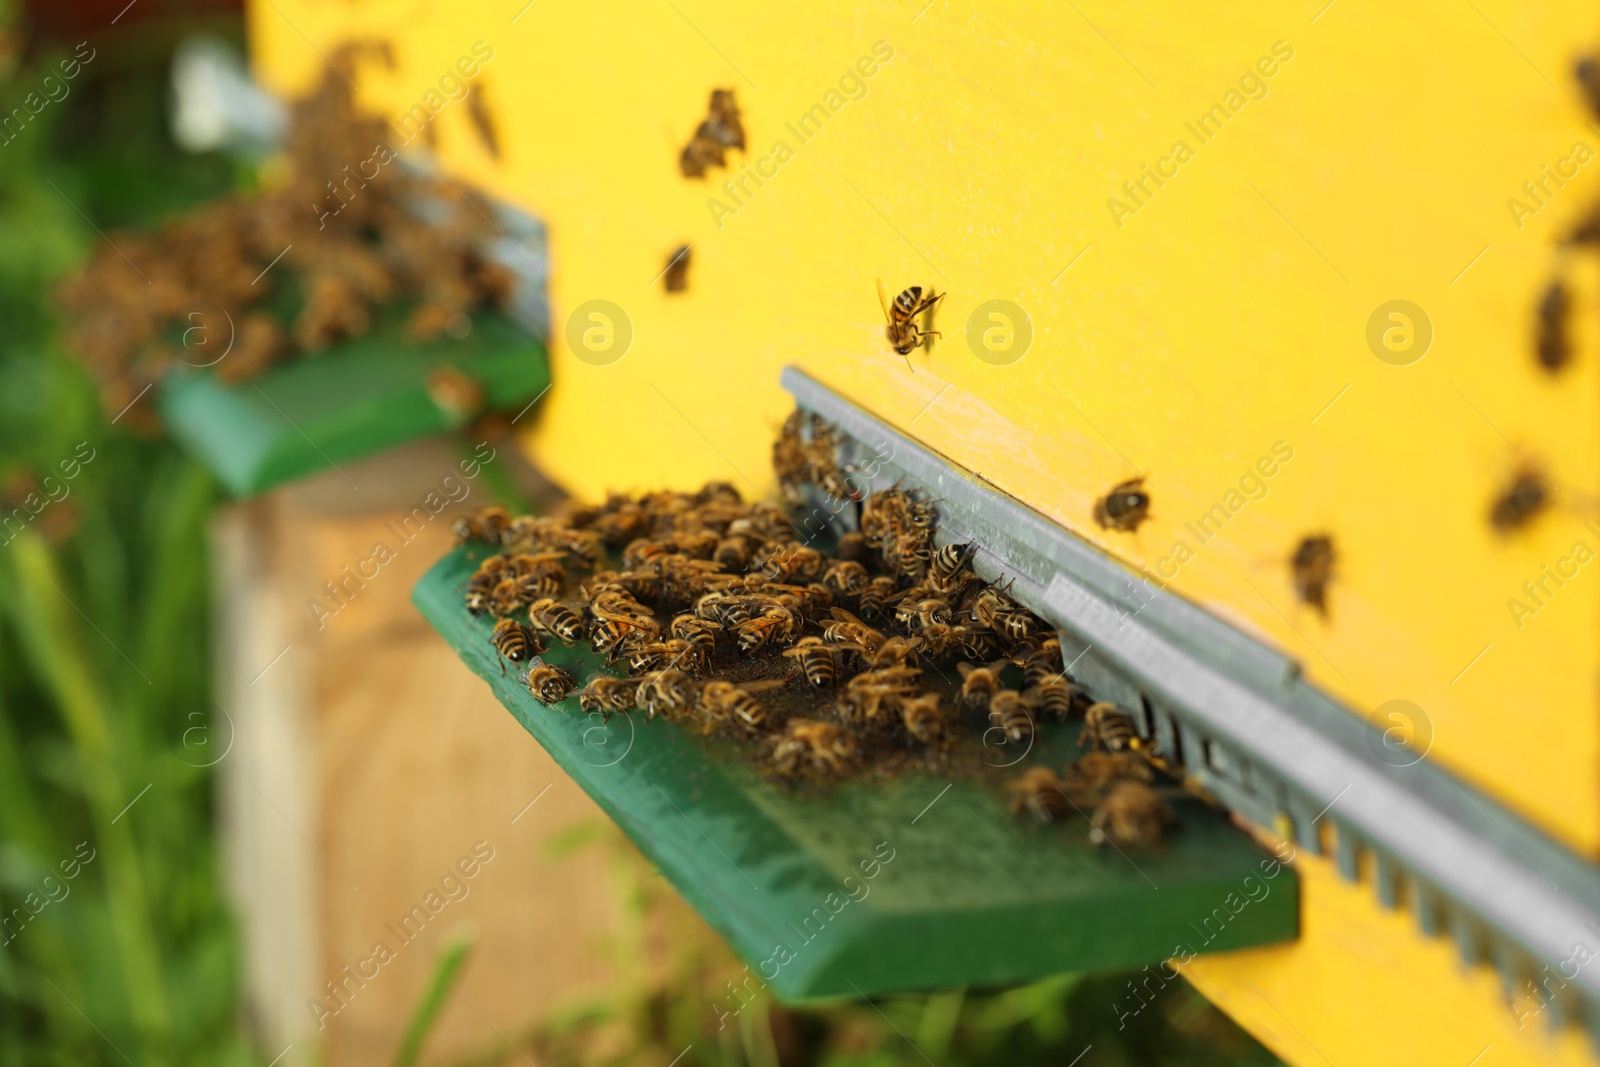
x=721, y=130
x=820, y=660
x=290, y=269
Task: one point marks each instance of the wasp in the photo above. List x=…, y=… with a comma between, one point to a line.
x=722, y=702
x=899, y=318
x=1312, y=567
x=514, y=641
x=666, y=691
x=606, y=694
x=1524, y=498
x=487, y=524
x=821, y=746
x=1131, y=814
x=979, y=684
x=1038, y=792
x=1008, y=712
x=1108, y=727
x=550, y=684
x=1125, y=507
x=921, y=718
x=818, y=661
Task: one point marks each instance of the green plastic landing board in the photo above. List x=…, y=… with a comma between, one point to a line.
x=359, y=397
x=889, y=884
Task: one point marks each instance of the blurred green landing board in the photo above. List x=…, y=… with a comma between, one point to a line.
x=360, y=397
x=884, y=885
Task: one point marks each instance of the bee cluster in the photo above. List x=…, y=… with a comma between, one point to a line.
x=822, y=663
x=345, y=220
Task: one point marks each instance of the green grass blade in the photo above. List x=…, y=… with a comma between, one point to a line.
x=451, y=959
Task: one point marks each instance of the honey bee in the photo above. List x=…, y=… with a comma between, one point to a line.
x=486, y=524
x=1587, y=71
x=549, y=684
x=1125, y=507
x=817, y=660
x=1052, y=698
x=480, y=587
x=848, y=629
x=911, y=559
x=894, y=652
x=1312, y=567
x=723, y=702
x=869, y=698
x=845, y=578
x=606, y=694
x=701, y=637
x=851, y=547
x=979, y=684
x=1522, y=500
x=666, y=691
x=733, y=552
x=506, y=597
x=1131, y=814
x=775, y=625
x=807, y=743
x=1008, y=712
x=1093, y=772
x=721, y=130
x=1553, y=342
x=919, y=614
x=676, y=276
x=947, y=568
x=1108, y=727
x=942, y=639
x=1041, y=663
x=875, y=597
x=1038, y=792
x=723, y=114
x=514, y=641
x=900, y=327
x=547, y=616
x=921, y=717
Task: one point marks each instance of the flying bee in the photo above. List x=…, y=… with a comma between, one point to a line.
x=1125, y=507
x=1524, y=498
x=1108, y=727
x=773, y=626
x=1052, y=698
x=549, y=617
x=1312, y=567
x=676, y=276
x=515, y=641
x=1131, y=814
x=723, y=702
x=550, y=684
x=921, y=717
x=900, y=327
x=818, y=661
x=807, y=743
x=1008, y=712
x=486, y=524
x=979, y=684
x=606, y=694
x=874, y=598
x=1553, y=341
x=848, y=629
x=666, y=691
x=1038, y=792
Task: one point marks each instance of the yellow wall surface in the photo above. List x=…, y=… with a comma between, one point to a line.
x=1185, y=339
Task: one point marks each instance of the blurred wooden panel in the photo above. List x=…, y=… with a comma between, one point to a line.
x=369, y=770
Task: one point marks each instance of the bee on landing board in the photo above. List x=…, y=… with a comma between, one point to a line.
x=1038, y=792
x=1524, y=498
x=818, y=661
x=722, y=703
x=900, y=325
x=979, y=684
x=822, y=746
x=515, y=641
x=485, y=524
x=921, y=717
x=550, y=684
x=1106, y=726
x=1312, y=565
x=606, y=694
x=1131, y=814
x=1125, y=507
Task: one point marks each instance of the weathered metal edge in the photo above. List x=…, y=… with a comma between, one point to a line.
x=1247, y=727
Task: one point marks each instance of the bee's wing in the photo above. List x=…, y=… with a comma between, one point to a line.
x=883, y=301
